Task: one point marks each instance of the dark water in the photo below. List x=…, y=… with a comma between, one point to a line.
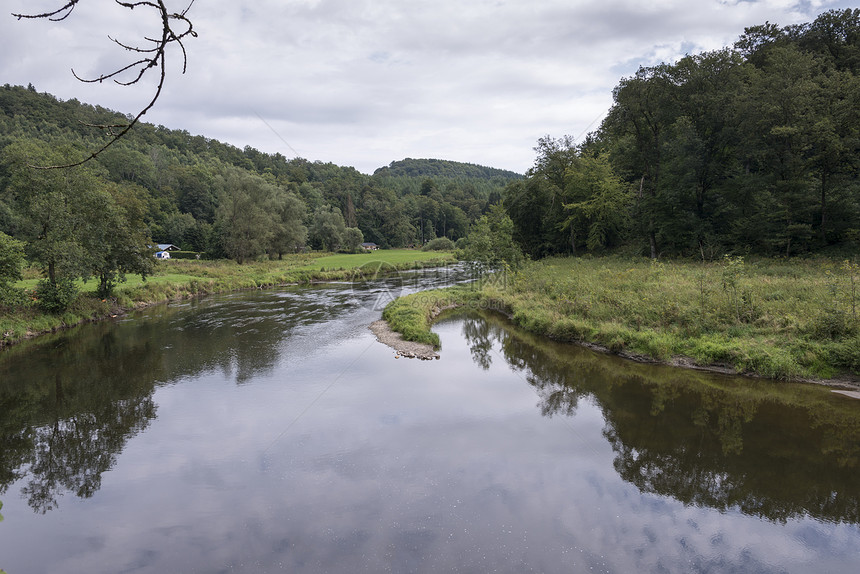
x=269, y=431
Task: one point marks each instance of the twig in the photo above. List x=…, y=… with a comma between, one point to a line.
x=154, y=57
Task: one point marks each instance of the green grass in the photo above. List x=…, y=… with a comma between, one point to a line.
x=412, y=315
x=182, y=278
x=393, y=257
x=774, y=318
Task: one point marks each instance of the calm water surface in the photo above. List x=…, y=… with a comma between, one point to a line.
x=269, y=431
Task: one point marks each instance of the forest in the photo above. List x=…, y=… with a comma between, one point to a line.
x=752, y=149
x=157, y=185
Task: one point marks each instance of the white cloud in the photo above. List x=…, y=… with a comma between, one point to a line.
x=362, y=82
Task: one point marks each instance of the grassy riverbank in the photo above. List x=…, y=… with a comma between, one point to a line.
x=178, y=279
x=774, y=318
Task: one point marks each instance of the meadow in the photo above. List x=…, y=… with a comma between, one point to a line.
x=780, y=319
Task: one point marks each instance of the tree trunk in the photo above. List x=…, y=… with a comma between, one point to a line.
x=823, y=208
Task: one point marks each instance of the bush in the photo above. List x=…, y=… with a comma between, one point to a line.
x=439, y=244
x=832, y=324
x=55, y=298
x=12, y=296
x=11, y=260
x=846, y=354
x=352, y=240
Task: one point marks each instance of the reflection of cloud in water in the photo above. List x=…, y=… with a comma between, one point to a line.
x=339, y=458
x=444, y=474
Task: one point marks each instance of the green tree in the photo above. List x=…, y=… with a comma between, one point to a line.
x=289, y=231
x=702, y=154
x=124, y=163
x=11, y=264
x=174, y=227
x=835, y=35
x=58, y=207
x=639, y=123
x=602, y=200
x=490, y=246
x=785, y=93
x=327, y=229
x=536, y=204
x=11, y=260
x=195, y=190
x=119, y=239
x=245, y=215
x=352, y=239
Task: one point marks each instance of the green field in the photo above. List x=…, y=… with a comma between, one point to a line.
x=775, y=318
x=182, y=278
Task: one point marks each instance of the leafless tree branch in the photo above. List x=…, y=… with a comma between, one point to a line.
x=175, y=27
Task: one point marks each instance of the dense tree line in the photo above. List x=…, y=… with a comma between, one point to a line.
x=754, y=148
x=157, y=185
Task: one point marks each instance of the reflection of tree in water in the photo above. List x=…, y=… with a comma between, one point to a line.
x=556, y=396
x=69, y=403
x=477, y=334
x=68, y=419
x=72, y=453
x=775, y=451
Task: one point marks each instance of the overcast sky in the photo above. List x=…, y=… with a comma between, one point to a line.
x=364, y=83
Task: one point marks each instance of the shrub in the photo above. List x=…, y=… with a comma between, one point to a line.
x=12, y=296
x=832, y=324
x=846, y=354
x=56, y=297
x=439, y=244
x=11, y=260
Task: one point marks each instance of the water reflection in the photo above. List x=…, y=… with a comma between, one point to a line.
x=286, y=438
x=65, y=422
x=70, y=402
x=775, y=451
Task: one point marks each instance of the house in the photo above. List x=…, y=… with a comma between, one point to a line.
x=370, y=246
x=167, y=247
x=162, y=255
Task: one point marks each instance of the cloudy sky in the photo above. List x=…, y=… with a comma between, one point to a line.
x=367, y=82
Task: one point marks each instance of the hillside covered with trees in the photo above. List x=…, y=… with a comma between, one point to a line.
x=157, y=185
x=750, y=149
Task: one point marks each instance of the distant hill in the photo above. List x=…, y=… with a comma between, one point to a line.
x=186, y=183
x=441, y=168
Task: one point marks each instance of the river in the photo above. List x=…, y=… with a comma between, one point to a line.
x=269, y=431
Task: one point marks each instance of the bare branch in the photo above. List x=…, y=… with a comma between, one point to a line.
x=174, y=28
x=54, y=16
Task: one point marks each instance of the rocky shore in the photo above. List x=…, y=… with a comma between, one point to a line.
x=406, y=349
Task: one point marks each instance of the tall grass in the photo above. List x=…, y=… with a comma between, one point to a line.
x=774, y=318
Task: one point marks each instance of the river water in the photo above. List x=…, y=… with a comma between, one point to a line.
x=268, y=431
